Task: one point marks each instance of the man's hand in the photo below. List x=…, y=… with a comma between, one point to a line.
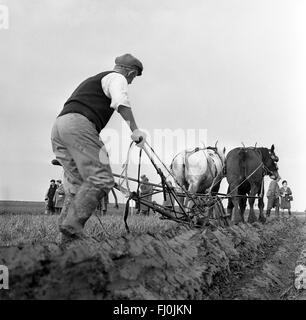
x=139, y=137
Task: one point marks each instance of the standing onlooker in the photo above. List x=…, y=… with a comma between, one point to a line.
x=115, y=198
x=59, y=197
x=169, y=198
x=102, y=205
x=273, y=197
x=286, y=198
x=49, y=197
x=145, y=188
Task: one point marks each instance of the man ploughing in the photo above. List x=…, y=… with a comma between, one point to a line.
x=78, y=147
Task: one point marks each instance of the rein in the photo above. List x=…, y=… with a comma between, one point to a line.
x=249, y=176
x=261, y=165
x=131, y=195
x=125, y=170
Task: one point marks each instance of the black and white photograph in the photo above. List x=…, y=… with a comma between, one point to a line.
x=153, y=153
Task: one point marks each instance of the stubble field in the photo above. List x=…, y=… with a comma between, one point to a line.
x=159, y=259
x=25, y=222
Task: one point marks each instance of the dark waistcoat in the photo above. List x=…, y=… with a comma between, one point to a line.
x=90, y=100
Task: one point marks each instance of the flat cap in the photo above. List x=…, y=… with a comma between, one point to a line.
x=128, y=60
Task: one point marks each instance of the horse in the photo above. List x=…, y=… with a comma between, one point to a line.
x=245, y=170
x=199, y=170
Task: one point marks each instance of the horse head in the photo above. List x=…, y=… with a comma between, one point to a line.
x=270, y=159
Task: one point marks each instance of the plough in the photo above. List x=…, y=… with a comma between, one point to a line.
x=203, y=209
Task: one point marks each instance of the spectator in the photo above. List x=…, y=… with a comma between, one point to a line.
x=49, y=197
x=273, y=197
x=59, y=197
x=168, y=203
x=286, y=198
x=102, y=205
x=115, y=198
x=145, y=189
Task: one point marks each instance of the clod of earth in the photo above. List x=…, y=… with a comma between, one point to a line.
x=244, y=261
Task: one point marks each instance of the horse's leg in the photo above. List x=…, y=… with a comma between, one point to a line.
x=230, y=205
x=236, y=217
x=181, y=199
x=261, y=205
x=193, y=187
x=254, y=189
x=242, y=204
x=214, y=191
x=210, y=207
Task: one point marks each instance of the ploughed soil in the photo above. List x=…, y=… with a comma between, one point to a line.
x=239, y=262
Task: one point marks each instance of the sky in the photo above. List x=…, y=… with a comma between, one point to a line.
x=235, y=69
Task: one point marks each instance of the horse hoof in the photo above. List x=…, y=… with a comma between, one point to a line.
x=237, y=221
x=229, y=223
x=262, y=219
x=252, y=219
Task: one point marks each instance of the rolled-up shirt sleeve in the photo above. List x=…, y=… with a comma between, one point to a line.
x=115, y=87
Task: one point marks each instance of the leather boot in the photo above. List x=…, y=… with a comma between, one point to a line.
x=81, y=208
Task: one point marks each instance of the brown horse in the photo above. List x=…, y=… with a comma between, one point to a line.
x=245, y=171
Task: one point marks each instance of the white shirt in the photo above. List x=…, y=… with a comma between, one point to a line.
x=115, y=87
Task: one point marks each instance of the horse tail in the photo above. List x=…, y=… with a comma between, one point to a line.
x=242, y=161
